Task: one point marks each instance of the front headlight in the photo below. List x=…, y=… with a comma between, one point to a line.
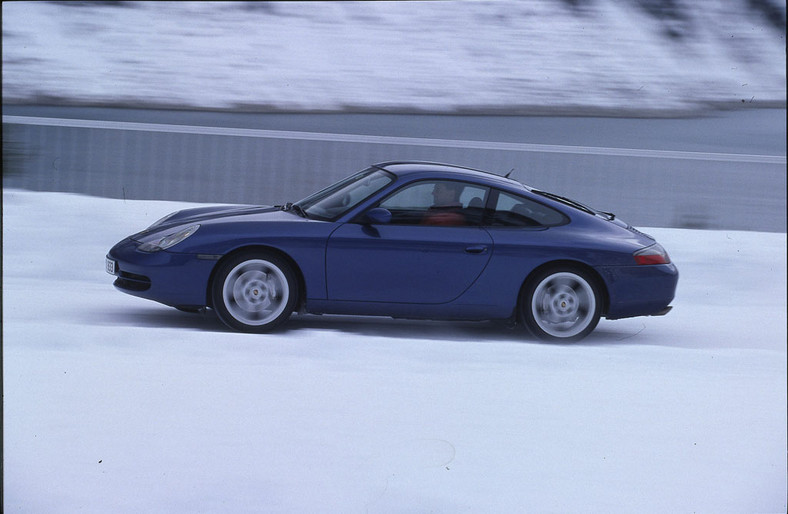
x=168, y=241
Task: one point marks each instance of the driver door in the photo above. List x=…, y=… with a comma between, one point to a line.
x=406, y=261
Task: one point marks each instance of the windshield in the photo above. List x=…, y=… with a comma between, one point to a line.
x=335, y=200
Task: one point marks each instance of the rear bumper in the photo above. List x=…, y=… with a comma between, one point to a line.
x=663, y=311
x=639, y=290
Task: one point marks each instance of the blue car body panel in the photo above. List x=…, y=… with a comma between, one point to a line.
x=639, y=290
x=170, y=278
x=347, y=266
x=440, y=263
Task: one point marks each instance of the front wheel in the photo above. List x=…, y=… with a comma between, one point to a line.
x=561, y=305
x=254, y=292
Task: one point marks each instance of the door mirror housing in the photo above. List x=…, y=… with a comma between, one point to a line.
x=377, y=216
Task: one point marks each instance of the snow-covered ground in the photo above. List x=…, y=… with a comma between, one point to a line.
x=496, y=56
x=117, y=404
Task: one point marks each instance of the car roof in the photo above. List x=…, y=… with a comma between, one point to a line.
x=442, y=170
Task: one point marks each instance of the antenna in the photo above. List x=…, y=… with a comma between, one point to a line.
x=510, y=172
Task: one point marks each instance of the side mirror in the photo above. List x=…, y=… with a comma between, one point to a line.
x=377, y=216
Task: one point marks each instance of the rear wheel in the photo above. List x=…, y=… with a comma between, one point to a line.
x=561, y=304
x=254, y=292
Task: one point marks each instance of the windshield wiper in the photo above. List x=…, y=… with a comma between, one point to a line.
x=290, y=206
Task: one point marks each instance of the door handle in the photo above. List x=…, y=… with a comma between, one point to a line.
x=480, y=249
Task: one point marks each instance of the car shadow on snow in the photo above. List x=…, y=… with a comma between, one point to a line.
x=374, y=326
x=370, y=326
x=161, y=317
x=471, y=331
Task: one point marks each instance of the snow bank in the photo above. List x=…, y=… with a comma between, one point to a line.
x=116, y=404
x=492, y=56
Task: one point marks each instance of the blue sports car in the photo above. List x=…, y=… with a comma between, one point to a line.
x=409, y=240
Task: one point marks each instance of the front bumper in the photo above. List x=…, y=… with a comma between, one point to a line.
x=171, y=278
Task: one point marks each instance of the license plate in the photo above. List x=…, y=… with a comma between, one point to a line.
x=112, y=266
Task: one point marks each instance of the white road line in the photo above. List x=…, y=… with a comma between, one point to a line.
x=393, y=140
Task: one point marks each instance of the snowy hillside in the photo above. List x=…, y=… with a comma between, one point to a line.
x=500, y=56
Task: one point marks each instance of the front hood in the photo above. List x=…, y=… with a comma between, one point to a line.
x=199, y=214
x=212, y=214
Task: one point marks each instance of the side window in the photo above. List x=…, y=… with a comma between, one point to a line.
x=437, y=202
x=517, y=211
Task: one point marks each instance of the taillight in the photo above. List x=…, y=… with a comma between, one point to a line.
x=653, y=254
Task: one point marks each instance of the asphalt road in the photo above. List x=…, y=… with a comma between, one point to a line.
x=742, y=131
x=725, y=169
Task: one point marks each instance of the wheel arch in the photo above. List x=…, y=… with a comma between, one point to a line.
x=258, y=249
x=567, y=264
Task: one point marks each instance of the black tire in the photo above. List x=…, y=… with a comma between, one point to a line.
x=254, y=291
x=561, y=304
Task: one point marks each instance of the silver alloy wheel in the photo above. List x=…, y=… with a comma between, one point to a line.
x=563, y=304
x=255, y=292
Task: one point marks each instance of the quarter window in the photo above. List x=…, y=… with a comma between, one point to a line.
x=517, y=211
